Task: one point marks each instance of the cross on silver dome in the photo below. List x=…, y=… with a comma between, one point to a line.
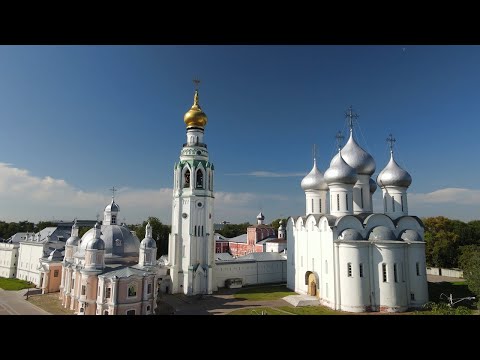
x=113, y=191
x=350, y=115
x=391, y=140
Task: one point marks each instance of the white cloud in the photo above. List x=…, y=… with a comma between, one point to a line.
x=25, y=196
x=447, y=195
x=268, y=174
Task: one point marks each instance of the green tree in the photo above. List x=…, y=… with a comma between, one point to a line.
x=160, y=233
x=276, y=223
x=82, y=230
x=470, y=263
x=442, y=241
x=232, y=230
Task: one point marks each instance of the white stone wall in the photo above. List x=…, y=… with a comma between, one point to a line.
x=8, y=260
x=354, y=286
x=362, y=187
x=251, y=273
x=29, y=255
x=456, y=273
x=418, y=283
x=390, y=295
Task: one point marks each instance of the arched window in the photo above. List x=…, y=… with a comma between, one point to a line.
x=312, y=207
x=349, y=269
x=384, y=272
x=393, y=203
x=199, y=184
x=320, y=205
x=114, y=219
x=186, y=179
x=346, y=199
x=338, y=202
x=401, y=200
x=132, y=290
x=361, y=197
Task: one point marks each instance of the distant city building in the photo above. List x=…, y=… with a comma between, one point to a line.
x=40, y=255
x=348, y=257
x=8, y=259
x=258, y=238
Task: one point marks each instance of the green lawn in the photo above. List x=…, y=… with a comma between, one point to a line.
x=50, y=303
x=458, y=289
x=14, y=284
x=311, y=310
x=272, y=292
x=258, y=311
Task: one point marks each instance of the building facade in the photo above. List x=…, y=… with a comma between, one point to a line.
x=36, y=249
x=346, y=255
x=259, y=238
x=8, y=259
x=109, y=271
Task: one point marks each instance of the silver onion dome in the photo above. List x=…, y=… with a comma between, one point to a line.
x=260, y=216
x=148, y=243
x=393, y=175
x=314, y=179
x=340, y=172
x=96, y=244
x=358, y=158
x=373, y=186
x=113, y=206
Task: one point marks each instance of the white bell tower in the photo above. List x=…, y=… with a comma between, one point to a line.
x=191, y=244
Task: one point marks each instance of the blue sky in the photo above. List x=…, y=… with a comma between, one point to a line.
x=78, y=119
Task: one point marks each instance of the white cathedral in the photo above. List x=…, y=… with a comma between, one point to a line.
x=343, y=253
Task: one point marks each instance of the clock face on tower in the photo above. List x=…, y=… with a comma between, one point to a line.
x=199, y=204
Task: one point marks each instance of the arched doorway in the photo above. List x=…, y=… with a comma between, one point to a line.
x=312, y=285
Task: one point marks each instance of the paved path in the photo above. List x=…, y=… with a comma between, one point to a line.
x=14, y=303
x=219, y=303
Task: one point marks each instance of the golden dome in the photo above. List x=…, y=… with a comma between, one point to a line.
x=195, y=117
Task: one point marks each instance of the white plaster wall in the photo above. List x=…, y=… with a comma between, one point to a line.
x=8, y=259
x=327, y=268
x=28, y=261
x=397, y=193
x=355, y=290
x=418, y=284
x=251, y=273
x=363, y=182
x=390, y=295
x=316, y=196
x=291, y=246
x=346, y=208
